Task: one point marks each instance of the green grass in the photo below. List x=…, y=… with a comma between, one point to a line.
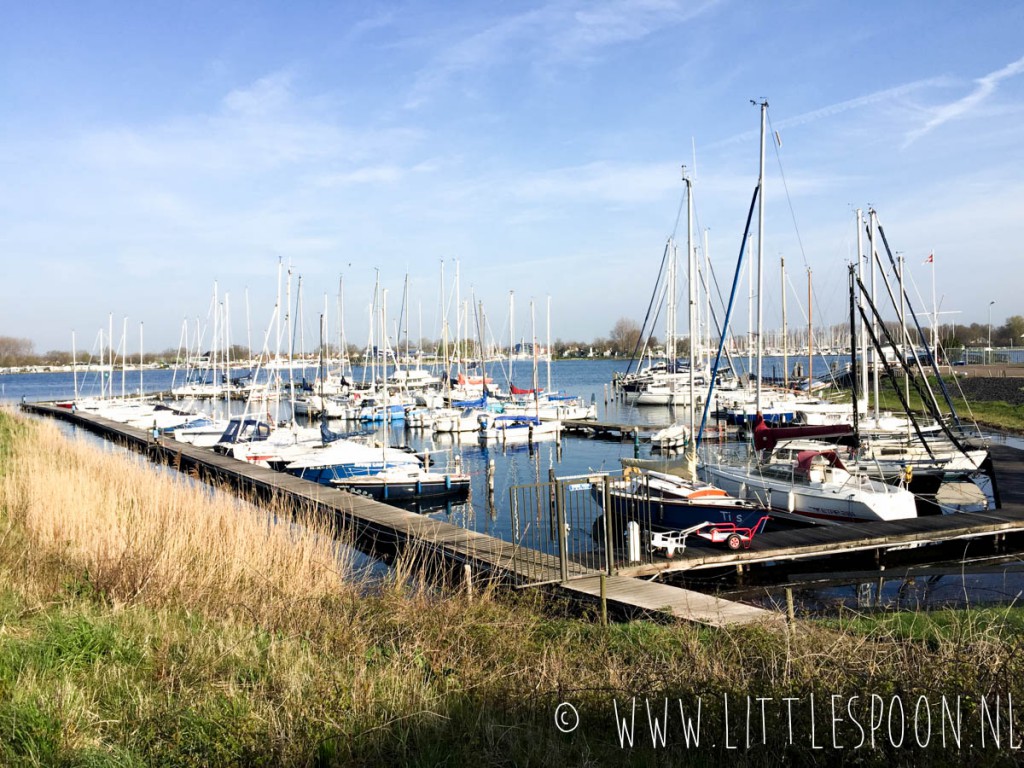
x=993, y=414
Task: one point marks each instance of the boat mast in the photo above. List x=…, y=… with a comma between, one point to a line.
x=533, y=338
x=123, y=346
x=384, y=377
x=227, y=351
x=216, y=330
x=511, y=336
x=342, y=347
x=935, y=310
x=810, y=334
x=750, y=308
x=74, y=365
x=862, y=339
x=444, y=335
x=670, y=315
x=110, y=355
x=291, y=342
x=785, y=329
x=904, y=333
x=691, y=268
x=706, y=363
x=874, y=322
x=760, y=254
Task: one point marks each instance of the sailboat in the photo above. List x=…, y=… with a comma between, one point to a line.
x=676, y=499
x=815, y=483
x=525, y=425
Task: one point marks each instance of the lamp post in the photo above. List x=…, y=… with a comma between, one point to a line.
x=990, y=331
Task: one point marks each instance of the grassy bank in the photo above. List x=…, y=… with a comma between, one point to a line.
x=146, y=621
x=995, y=414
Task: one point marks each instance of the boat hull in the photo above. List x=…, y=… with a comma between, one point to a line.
x=663, y=513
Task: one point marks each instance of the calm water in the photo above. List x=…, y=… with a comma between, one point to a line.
x=958, y=584
x=518, y=466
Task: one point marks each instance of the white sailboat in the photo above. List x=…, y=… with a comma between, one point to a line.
x=814, y=484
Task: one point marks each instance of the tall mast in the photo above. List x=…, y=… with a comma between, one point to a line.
x=707, y=300
x=110, y=355
x=405, y=313
x=227, y=350
x=141, y=360
x=511, y=334
x=216, y=331
x=874, y=321
x=342, y=351
x=810, y=334
x=785, y=330
x=862, y=340
x=935, y=310
x=760, y=252
x=74, y=365
x=444, y=334
x=291, y=346
x=124, y=355
x=670, y=315
x=692, y=296
x=384, y=346
x=533, y=338
x=299, y=311
x=904, y=333
x=458, y=318
x=750, y=307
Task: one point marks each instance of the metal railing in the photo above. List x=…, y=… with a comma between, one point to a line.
x=562, y=531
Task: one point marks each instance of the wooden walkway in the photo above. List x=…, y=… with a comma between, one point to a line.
x=820, y=541
x=379, y=526
x=607, y=430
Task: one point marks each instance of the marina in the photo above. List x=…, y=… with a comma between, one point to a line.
x=386, y=527
x=479, y=534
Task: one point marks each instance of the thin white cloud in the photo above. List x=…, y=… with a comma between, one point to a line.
x=892, y=95
x=268, y=95
x=557, y=33
x=984, y=87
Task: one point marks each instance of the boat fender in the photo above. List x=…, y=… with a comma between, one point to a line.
x=908, y=473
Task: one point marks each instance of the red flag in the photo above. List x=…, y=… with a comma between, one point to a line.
x=931, y=258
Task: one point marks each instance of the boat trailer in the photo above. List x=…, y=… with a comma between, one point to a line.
x=730, y=534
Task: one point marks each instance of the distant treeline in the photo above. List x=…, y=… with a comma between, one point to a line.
x=622, y=341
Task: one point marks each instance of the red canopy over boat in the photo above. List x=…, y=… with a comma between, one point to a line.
x=766, y=437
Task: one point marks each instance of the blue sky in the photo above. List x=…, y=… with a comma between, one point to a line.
x=150, y=149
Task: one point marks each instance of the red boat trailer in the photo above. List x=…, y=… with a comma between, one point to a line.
x=730, y=534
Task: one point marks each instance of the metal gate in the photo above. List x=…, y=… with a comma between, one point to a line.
x=562, y=531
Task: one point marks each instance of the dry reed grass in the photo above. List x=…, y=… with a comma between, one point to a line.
x=138, y=535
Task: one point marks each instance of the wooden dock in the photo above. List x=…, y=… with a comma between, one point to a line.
x=1007, y=520
x=607, y=430
x=820, y=541
x=378, y=526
